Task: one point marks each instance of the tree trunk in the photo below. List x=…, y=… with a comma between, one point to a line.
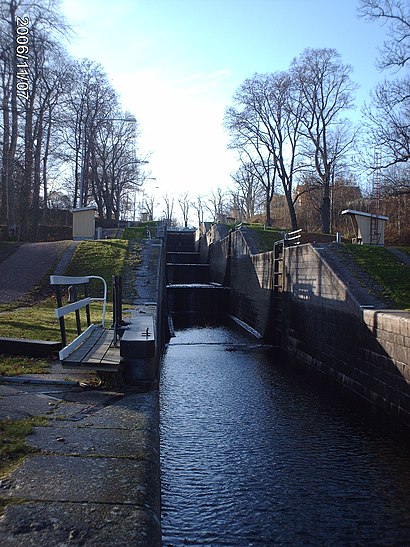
x=6, y=144
x=268, y=201
x=37, y=180
x=45, y=178
x=11, y=152
x=291, y=209
x=325, y=209
x=27, y=178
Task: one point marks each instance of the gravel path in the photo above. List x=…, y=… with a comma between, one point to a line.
x=25, y=268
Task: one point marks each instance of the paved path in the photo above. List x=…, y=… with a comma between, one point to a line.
x=26, y=267
x=403, y=257
x=95, y=480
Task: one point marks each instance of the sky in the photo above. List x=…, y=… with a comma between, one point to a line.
x=177, y=64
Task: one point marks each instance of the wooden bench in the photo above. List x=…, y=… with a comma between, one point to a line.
x=94, y=348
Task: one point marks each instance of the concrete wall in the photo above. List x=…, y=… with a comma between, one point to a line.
x=248, y=276
x=368, y=351
x=251, y=288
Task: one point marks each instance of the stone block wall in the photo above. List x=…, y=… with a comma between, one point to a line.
x=366, y=350
x=251, y=291
x=248, y=276
x=323, y=325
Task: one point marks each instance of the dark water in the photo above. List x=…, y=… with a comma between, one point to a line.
x=255, y=452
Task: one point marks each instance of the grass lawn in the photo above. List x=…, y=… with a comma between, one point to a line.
x=11, y=365
x=266, y=235
x=38, y=322
x=382, y=266
x=139, y=232
x=13, y=446
x=104, y=258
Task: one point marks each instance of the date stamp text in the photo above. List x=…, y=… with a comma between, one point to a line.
x=22, y=51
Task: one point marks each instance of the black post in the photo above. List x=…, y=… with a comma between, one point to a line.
x=87, y=308
x=61, y=319
x=114, y=301
x=119, y=304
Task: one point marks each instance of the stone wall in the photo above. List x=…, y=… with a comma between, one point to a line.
x=248, y=276
x=323, y=324
x=251, y=289
x=366, y=350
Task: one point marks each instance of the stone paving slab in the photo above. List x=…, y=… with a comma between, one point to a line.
x=82, y=480
x=62, y=438
x=95, y=480
x=17, y=405
x=64, y=524
x=123, y=415
x=18, y=402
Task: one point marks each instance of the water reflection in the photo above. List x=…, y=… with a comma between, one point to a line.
x=254, y=453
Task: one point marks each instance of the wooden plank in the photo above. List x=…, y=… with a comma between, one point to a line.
x=64, y=310
x=97, y=367
x=67, y=280
x=96, y=354
x=112, y=355
x=75, y=344
x=89, y=347
x=79, y=353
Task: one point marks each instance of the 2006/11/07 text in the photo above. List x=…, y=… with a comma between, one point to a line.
x=22, y=48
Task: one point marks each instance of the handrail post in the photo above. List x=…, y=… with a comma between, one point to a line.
x=61, y=319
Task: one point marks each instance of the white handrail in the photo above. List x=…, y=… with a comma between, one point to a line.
x=104, y=299
x=74, y=306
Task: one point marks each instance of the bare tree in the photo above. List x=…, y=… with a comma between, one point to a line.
x=396, y=15
x=113, y=168
x=184, y=204
x=396, y=180
x=198, y=205
x=98, y=140
x=215, y=203
x=247, y=193
x=388, y=122
x=388, y=118
x=264, y=127
x=395, y=202
x=326, y=91
x=168, y=211
x=24, y=104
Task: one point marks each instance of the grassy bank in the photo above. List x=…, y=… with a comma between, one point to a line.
x=384, y=268
x=146, y=229
x=104, y=258
x=13, y=445
x=38, y=322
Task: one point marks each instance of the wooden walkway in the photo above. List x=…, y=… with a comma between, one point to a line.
x=95, y=353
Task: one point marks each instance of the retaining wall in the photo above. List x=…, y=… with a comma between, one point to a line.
x=248, y=275
x=366, y=350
